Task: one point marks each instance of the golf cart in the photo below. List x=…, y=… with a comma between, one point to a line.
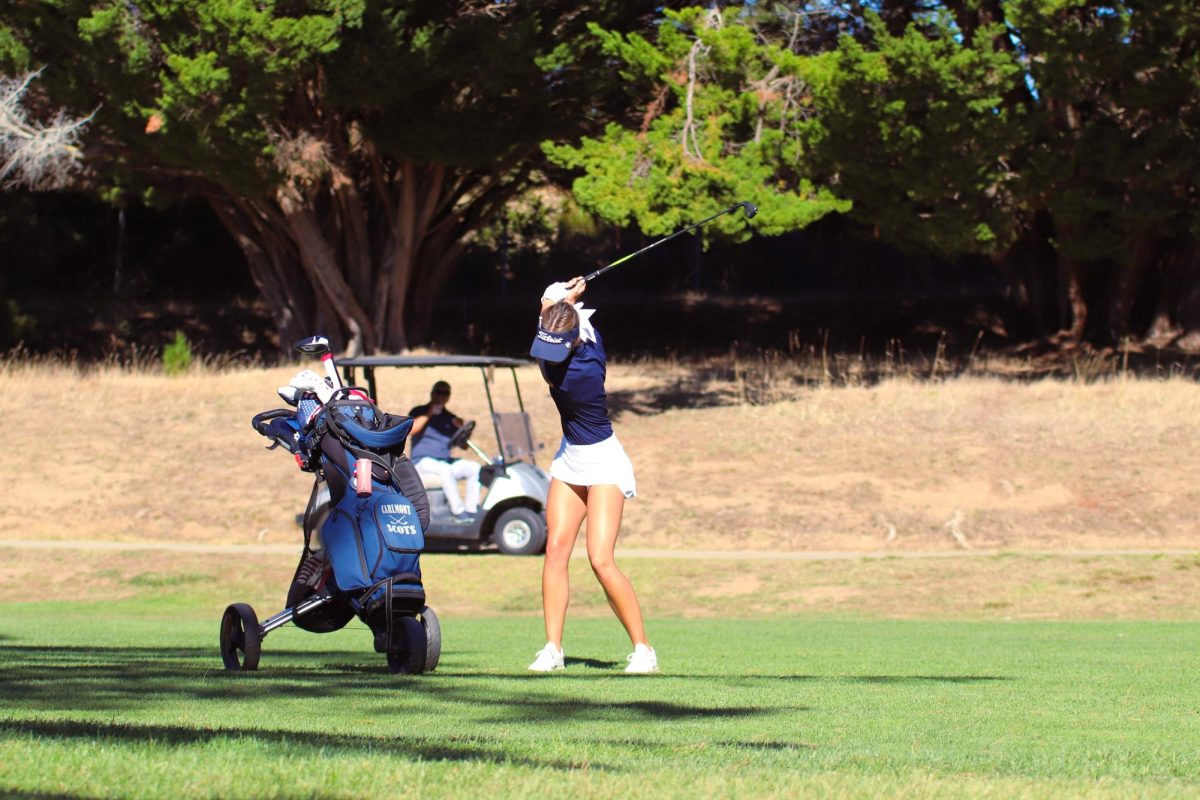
x=512, y=514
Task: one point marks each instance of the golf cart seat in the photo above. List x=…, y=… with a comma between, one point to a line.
x=516, y=435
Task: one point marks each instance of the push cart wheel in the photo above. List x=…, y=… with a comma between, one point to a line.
x=433, y=638
x=410, y=660
x=241, y=638
x=520, y=531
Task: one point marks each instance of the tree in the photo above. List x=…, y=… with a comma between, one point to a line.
x=1099, y=166
x=351, y=147
x=35, y=155
x=1114, y=165
x=723, y=105
x=1058, y=137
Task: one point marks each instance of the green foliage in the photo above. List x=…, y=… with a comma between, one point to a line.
x=577, y=221
x=218, y=76
x=177, y=356
x=946, y=128
x=1117, y=150
x=527, y=223
x=349, y=144
x=915, y=130
x=716, y=130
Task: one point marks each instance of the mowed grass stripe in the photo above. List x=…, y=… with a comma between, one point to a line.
x=1005, y=586
x=96, y=703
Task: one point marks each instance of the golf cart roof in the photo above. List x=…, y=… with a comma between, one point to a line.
x=433, y=361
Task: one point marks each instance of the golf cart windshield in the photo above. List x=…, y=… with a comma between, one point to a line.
x=514, y=433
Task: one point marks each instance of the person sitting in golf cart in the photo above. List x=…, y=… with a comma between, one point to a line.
x=433, y=429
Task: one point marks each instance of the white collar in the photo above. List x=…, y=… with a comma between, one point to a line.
x=586, y=331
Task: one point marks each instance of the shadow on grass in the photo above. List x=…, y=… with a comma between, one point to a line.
x=117, y=678
x=295, y=742
x=67, y=681
x=594, y=663
x=917, y=679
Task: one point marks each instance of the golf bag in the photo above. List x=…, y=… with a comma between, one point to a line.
x=363, y=533
x=372, y=538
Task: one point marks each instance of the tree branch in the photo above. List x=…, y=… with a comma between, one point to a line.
x=36, y=156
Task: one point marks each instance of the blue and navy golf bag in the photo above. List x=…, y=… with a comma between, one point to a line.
x=374, y=540
x=363, y=533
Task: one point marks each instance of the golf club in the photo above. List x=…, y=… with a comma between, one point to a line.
x=745, y=205
x=319, y=346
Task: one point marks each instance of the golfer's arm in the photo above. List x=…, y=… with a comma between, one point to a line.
x=419, y=424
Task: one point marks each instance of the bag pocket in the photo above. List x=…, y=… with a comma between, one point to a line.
x=344, y=543
x=397, y=523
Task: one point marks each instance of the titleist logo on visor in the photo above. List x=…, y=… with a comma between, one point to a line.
x=550, y=337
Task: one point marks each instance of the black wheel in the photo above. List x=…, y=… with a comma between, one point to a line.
x=410, y=660
x=460, y=437
x=433, y=638
x=241, y=638
x=520, y=532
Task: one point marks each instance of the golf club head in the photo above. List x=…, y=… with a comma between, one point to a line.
x=289, y=394
x=313, y=345
x=750, y=209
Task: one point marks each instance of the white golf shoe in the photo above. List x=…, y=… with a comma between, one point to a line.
x=642, y=661
x=548, y=659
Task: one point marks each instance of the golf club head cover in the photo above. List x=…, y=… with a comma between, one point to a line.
x=308, y=381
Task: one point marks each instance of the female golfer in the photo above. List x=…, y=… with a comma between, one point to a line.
x=590, y=477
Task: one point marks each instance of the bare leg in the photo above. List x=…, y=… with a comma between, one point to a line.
x=565, y=508
x=604, y=506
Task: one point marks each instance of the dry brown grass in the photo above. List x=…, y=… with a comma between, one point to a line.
x=751, y=454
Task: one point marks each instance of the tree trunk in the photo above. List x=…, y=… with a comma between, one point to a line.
x=427, y=292
x=1074, y=310
x=404, y=241
x=1128, y=281
x=328, y=269
x=355, y=238
x=1030, y=267
x=1178, y=308
x=269, y=267
x=320, y=262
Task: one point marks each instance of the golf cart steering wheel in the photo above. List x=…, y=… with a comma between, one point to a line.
x=460, y=437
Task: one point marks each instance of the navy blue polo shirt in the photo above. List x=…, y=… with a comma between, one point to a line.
x=434, y=440
x=577, y=387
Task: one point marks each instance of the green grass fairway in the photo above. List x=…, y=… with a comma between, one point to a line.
x=118, y=699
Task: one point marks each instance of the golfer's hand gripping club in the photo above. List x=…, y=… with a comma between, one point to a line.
x=745, y=205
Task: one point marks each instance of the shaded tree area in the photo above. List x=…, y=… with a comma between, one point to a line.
x=1033, y=163
x=826, y=286
x=350, y=147
x=79, y=275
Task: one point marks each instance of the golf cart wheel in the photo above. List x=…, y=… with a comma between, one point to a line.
x=241, y=638
x=410, y=660
x=433, y=638
x=520, y=531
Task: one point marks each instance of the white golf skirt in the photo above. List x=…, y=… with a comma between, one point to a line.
x=592, y=464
